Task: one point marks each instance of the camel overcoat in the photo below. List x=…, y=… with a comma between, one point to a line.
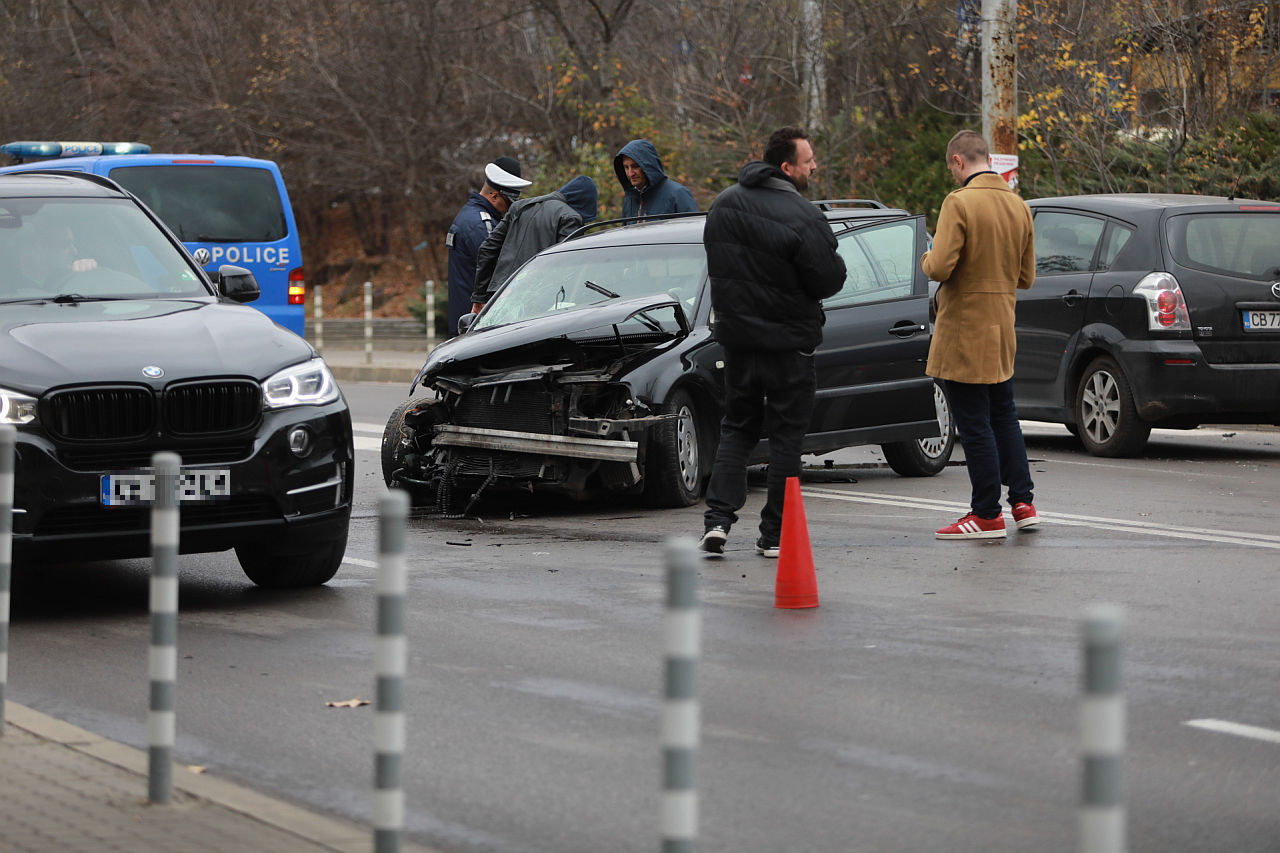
x=983, y=252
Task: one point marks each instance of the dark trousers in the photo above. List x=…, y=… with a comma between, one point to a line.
x=767, y=394
x=994, y=451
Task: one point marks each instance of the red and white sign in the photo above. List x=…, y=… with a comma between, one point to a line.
x=1006, y=165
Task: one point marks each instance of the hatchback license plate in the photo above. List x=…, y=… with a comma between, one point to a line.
x=138, y=488
x=1261, y=321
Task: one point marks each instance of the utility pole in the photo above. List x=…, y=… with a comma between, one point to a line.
x=1000, y=86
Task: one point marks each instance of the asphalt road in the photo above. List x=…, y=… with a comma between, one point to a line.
x=929, y=704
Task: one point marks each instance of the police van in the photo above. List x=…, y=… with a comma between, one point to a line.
x=226, y=209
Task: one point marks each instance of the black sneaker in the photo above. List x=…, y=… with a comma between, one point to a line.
x=713, y=540
x=765, y=549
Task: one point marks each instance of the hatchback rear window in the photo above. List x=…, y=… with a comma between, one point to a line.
x=1239, y=244
x=210, y=204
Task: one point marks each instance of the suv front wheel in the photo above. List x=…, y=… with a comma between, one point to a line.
x=1106, y=417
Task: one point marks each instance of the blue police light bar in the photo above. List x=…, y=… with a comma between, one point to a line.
x=46, y=150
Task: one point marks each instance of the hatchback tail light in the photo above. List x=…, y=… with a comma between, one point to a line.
x=1166, y=309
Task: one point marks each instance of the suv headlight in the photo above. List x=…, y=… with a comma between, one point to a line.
x=307, y=384
x=16, y=408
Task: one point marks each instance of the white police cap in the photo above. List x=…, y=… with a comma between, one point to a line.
x=500, y=179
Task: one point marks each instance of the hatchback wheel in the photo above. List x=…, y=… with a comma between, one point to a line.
x=1106, y=417
x=675, y=463
x=925, y=457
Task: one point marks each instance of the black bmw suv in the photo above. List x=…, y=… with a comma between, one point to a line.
x=1150, y=311
x=114, y=345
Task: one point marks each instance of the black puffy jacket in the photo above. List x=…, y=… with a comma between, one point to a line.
x=771, y=257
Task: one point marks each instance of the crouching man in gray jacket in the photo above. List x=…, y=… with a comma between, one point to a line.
x=531, y=225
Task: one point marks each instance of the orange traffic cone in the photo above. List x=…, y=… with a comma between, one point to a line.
x=797, y=584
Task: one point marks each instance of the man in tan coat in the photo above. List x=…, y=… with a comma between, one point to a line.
x=982, y=253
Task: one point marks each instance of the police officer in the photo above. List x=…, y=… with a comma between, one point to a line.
x=478, y=217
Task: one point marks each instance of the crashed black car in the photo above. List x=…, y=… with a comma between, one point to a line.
x=116, y=345
x=593, y=370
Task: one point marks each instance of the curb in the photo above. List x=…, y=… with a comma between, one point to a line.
x=339, y=835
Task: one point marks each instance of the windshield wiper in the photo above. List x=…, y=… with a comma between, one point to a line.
x=598, y=289
x=76, y=298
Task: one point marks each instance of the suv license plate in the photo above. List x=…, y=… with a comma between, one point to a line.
x=1261, y=321
x=138, y=488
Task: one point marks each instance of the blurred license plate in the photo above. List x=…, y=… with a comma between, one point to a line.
x=1258, y=321
x=134, y=488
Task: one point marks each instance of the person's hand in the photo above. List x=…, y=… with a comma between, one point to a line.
x=83, y=265
x=477, y=307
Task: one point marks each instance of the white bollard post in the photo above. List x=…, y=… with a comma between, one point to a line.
x=1102, y=733
x=318, y=308
x=682, y=643
x=431, y=312
x=368, y=322
x=8, y=440
x=391, y=661
x=164, y=627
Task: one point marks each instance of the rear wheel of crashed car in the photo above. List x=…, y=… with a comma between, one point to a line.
x=1105, y=413
x=675, y=462
x=924, y=457
x=398, y=443
x=293, y=561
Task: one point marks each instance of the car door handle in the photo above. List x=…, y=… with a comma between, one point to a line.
x=1072, y=296
x=906, y=329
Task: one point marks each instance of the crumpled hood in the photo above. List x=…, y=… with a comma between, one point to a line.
x=477, y=344
x=48, y=344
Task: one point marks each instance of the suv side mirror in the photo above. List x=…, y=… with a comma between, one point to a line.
x=465, y=321
x=237, y=283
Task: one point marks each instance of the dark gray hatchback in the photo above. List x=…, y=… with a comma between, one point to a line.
x=1150, y=311
x=114, y=345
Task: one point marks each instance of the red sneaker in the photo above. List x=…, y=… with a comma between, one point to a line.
x=974, y=527
x=1024, y=515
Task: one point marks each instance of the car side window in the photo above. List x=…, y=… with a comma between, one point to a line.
x=1117, y=236
x=879, y=263
x=1065, y=242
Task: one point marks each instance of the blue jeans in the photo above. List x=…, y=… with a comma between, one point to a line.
x=994, y=451
x=767, y=394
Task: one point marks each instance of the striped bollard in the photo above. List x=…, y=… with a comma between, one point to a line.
x=8, y=439
x=164, y=627
x=431, y=311
x=368, y=322
x=1102, y=733
x=317, y=303
x=390, y=660
x=682, y=632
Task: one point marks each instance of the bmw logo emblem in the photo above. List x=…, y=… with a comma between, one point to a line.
x=152, y=372
x=202, y=256
x=1275, y=289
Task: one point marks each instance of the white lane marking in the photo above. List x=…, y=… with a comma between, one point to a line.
x=1261, y=540
x=1237, y=729
x=363, y=443
x=376, y=429
x=356, y=561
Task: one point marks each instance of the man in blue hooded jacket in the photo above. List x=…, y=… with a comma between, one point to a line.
x=646, y=189
x=531, y=225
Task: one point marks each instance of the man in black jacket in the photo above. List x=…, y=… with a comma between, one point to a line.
x=772, y=258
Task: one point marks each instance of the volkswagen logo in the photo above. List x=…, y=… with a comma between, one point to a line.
x=152, y=372
x=202, y=256
x=1275, y=289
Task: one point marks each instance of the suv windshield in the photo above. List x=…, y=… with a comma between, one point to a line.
x=87, y=249
x=206, y=204
x=1240, y=244
x=569, y=281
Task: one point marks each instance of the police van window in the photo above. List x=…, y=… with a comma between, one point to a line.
x=210, y=204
